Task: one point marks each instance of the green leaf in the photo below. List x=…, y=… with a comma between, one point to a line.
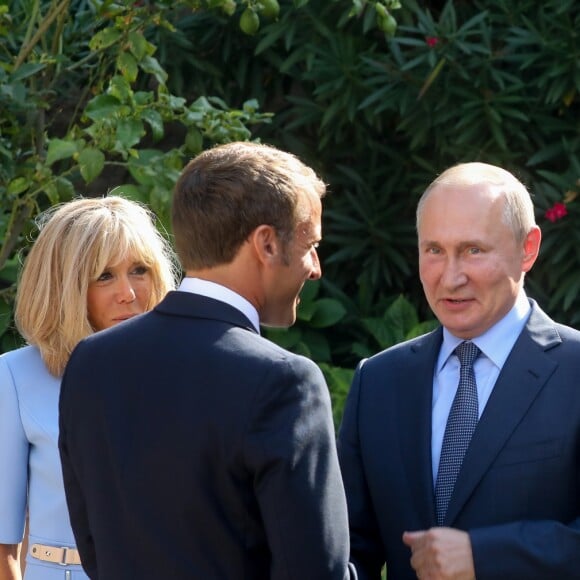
x=309, y=290
x=138, y=45
x=120, y=88
x=9, y=272
x=51, y=191
x=306, y=311
x=127, y=65
x=60, y=149
x=328, y=311
x=401, y=317
x=317, y=344
x=91, y=163
x=129, y=132
x=104, y=38
x=26, y=70
x=64, y=188
x=379, y=330
x=154, y=120
x=151, y=65
x=194, y=141
x=102, y=107
x=18, y=185
x=284, y=337
x=422, y=328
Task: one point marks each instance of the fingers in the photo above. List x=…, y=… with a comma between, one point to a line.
x=440, y=554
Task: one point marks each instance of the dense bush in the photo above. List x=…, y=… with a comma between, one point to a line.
x=377, y=107
x=85, y=105
x=495, y=81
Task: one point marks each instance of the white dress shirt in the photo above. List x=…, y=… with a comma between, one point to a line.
x=495, y=345
x=223, y=294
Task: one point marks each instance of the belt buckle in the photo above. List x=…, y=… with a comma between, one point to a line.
x=64, y=555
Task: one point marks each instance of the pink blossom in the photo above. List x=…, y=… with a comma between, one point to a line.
x=556, y=212
x=431, y=41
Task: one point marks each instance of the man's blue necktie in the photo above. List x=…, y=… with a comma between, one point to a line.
x=461, y=424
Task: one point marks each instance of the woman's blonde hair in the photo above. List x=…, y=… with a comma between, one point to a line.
x=78, y=240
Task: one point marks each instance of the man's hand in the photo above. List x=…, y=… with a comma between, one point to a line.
x=441, y=554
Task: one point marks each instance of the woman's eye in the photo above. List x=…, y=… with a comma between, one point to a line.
x=104, y=277
x=140, y=270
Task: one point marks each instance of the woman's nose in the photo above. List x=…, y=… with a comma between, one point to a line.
x=126, y=292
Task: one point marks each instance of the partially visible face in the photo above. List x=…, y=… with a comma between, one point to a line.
x=470, y=265
x=299, y=263
x=119, y=293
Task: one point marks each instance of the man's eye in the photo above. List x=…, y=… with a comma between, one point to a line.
x=474, y=250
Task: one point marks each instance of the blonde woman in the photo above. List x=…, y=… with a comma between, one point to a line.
x=95, y=263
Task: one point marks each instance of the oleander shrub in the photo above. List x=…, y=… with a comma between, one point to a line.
x=379, y=105
x=381, y=115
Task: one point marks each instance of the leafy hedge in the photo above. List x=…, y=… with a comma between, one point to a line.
x=85, y=105
x=380, y=116
x=377, y=104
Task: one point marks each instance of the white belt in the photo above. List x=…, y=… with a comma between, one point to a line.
x=55, y=554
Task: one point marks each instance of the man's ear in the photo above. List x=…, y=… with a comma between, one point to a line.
x=532, y=243
x=265, y=243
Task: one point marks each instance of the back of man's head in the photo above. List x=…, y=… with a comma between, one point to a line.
x=228, y=191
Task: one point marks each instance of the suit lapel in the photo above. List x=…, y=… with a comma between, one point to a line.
x=415, y=410
x=524, y=374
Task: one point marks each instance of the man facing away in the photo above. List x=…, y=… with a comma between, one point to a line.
x=466, y=463
x=192, y=447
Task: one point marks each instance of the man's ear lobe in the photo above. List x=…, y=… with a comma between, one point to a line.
x=531, y=248
x=265, y=242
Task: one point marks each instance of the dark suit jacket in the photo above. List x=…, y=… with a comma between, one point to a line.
x=193, y=448
x=518, y=492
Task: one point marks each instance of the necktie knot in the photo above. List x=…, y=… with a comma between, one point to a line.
x=467, y=352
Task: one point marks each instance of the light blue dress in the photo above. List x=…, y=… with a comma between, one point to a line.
x=29, y=462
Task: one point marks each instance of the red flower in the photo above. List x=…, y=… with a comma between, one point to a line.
x=556, y=212
x=431, y=41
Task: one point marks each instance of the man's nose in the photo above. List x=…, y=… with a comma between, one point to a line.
x=453, y=274
x=316, y=271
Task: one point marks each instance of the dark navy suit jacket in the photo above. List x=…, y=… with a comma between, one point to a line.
x=195, y=449
x=518, y=492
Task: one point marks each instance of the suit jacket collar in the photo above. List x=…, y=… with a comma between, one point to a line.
x=525, y=372
x=415, y=399
x=196, y=306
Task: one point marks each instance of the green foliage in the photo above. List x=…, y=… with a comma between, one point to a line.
x=85, y=104
x=317, y=319
x=380, y=116
x=315, y=315
x=338, y=380
x=398, y=323
x=378, y=109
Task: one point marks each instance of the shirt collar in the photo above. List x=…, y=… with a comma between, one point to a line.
x=223, y=294
x=497, y=342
